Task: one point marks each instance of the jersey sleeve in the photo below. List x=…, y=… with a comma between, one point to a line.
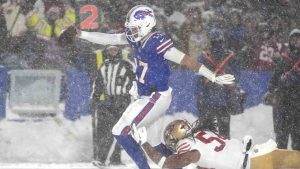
x=104, y=38
x=184, y=146
x=162, y=43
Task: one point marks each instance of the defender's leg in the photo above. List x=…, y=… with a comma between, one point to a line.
x=277, y=159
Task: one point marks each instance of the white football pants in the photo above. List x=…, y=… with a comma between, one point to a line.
x=143, y=112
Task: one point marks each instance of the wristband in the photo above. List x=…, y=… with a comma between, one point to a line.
x=162, y=161
x=204, y=71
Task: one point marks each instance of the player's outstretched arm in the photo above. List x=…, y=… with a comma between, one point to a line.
x=177, y=56
x=172, y=161
x=103, y=38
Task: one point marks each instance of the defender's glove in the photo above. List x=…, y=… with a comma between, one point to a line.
x=139, y=135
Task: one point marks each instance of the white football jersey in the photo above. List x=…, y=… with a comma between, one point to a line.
x=216, y=152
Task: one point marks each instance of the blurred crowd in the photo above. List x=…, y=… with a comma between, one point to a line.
x=256, y=31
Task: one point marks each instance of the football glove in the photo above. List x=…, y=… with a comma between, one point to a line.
x=226, y=79
x=139, y=135
x=68, y=35
x=134, y=90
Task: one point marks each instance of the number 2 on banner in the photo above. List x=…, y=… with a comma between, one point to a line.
x=89, y=22
x=210, y=139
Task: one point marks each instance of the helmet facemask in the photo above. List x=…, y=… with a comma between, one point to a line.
x=133, y=33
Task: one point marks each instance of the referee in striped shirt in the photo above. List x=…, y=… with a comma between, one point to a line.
x=109, y=100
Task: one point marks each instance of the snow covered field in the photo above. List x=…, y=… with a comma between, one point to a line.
x=58, y=143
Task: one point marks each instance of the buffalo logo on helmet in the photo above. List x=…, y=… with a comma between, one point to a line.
x=140, y=14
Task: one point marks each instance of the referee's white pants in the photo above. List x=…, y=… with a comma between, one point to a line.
x=143, y=111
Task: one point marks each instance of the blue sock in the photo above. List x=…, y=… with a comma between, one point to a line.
x=134, y=150
x=163, y=149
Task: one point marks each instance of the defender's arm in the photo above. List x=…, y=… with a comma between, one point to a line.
x=172, y=161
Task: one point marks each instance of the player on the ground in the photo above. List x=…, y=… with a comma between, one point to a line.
x=204, y=148
x=152, y=52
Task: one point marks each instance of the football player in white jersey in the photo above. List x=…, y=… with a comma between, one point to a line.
x=203, y=148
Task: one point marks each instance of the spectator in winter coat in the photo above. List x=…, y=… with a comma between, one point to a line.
x=271, y=45
x=219, y=102
x=3, y=29
x=247, y=53
x=284, y=94
x=235, y=33
x=194, y=37
x=21, y=49
x=48, y=20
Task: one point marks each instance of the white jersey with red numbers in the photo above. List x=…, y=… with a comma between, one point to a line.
x=216, y=152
